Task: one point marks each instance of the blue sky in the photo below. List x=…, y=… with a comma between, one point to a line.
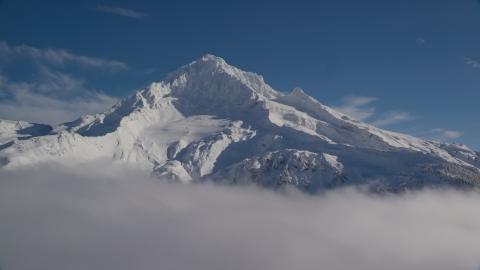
x=407, y=66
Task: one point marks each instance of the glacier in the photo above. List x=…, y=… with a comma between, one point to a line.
x=210, y=121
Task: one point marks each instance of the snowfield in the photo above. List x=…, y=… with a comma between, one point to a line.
x=211, y=121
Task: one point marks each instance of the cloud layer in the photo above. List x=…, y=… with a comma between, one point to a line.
x=106, y=216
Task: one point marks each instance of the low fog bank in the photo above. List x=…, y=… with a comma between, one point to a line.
x=106, y=216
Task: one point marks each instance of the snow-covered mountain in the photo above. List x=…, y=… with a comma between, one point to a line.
x=210, y=120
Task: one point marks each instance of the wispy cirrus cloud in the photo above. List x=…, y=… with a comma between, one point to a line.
x=393, y=117
x=52, y=99
x=360, y=108
x=470, y=62
x=123, y=12
x=441, y=134
x=51, y=96
x=58, y=57
x=420, y=41
x=355, y=107
x=436, y=134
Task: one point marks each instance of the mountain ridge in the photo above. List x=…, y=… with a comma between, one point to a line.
x=210, y=120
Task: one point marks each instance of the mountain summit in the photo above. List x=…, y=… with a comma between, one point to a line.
x=210, y=120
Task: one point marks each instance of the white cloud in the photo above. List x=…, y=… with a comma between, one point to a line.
x=5, y=50
x=451, y=134
x=53, y=99
x=123, y=11
x=420, y=41
x=393, y=117
x=105, y=216
x=470, y=62
x=59, y=57
x=440, y=134
x=354, y=106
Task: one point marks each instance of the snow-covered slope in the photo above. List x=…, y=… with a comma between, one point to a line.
x=10, y=130
x=209, y=120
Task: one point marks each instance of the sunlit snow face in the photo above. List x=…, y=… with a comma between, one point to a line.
x=104, y=216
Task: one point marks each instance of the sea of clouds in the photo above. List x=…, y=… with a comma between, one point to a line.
x=109, y=216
